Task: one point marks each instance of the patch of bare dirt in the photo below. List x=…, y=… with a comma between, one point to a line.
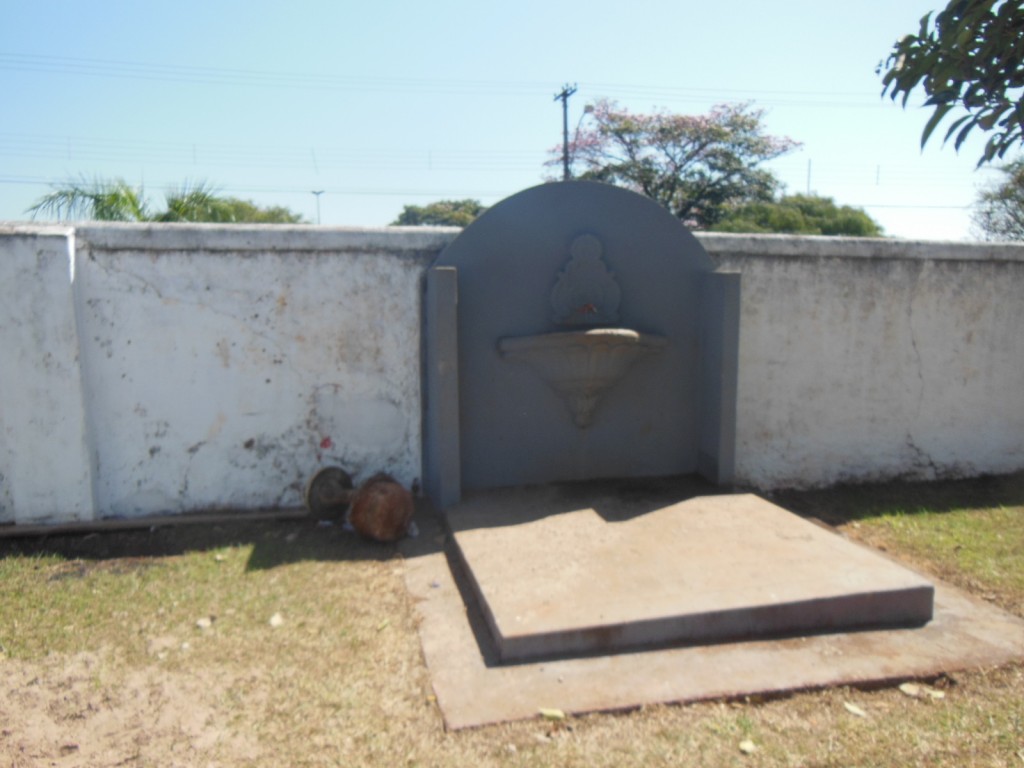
x=87, y=710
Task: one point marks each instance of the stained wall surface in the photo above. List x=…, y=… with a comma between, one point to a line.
x=44, y=456
x=220, y=367
x=867, y=359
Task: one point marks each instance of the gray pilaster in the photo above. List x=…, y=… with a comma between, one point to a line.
x=719, y=361
x=441, y=454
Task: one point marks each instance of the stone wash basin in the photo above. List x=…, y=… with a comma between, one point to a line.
x=580, y=366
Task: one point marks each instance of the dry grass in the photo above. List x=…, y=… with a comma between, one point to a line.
x=108, y=659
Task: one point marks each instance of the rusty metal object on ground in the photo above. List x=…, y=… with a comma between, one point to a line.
x=329, y=493
x=381, y=509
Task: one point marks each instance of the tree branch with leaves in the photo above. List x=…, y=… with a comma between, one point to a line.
x=970, y=57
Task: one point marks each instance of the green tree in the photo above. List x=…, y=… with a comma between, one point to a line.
x=197, y=202
x=694, y=165
x=201, y=203
x=971, y=57
x=999, y=211
x=443, y=213
x=799, y=215
x=248, y=211
x=116, y=200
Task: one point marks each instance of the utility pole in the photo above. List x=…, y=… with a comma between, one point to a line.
x=317, y=192
x=567, y=91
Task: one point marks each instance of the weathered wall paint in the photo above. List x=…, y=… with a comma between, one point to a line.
x=873, y=359
x=205, y=367
x=44, y=466
x=220, y=367
x=223, y=371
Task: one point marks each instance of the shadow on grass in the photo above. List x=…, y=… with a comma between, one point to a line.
x=276, y=543
x=845, y=503
x=273, y=543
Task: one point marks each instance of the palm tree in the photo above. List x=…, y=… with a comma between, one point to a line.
x=197, y=202
x=116, y=200
x=95, y=199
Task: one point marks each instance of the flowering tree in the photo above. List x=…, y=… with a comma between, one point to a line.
x=694, y=165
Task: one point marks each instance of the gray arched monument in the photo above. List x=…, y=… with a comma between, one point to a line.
x=574, y=331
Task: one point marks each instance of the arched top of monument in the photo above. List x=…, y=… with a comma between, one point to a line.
x=551, y=217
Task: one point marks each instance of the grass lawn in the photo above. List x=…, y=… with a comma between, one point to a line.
x=293, y=644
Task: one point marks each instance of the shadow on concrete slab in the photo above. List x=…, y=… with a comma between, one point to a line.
x=614, y=500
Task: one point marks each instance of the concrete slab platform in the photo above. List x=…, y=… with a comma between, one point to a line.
x=474, y=688
x=571, y=580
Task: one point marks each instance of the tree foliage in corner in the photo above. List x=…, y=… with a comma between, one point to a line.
x=116, y=200
x=999, y=211
x=799, y=215
x=696, y=166
x=971, y=56
x=443, y=213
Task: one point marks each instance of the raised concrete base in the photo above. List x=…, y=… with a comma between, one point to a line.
x=475, y=687
x=590, y=570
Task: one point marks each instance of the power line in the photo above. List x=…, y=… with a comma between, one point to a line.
x=83, y=150
x=428, y=192
x=87, y=150
x=198, y=75
x=296, y=190
x=66, y=65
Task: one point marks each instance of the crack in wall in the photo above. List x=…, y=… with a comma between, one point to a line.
x=919, y=358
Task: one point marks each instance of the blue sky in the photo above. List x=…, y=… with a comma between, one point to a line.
x=382, y=104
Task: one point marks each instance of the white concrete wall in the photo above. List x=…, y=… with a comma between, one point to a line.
x=149, y=369
x=221, y=367
x=874, y=359
x=44, y=472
